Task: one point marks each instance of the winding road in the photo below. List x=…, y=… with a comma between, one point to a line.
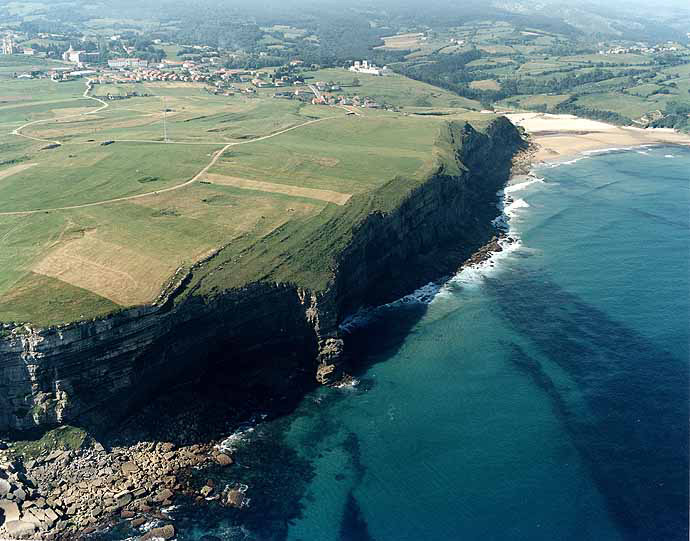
x=196, y=177
x=18, y=131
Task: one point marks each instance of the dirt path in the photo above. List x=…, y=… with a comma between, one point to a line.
x=262, y=138
x=196, y=177
x=127, y=198
x=104, y=105
x=18, y=131
x=4, y=173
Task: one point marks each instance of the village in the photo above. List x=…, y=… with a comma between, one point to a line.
x=641, y=48
x=291, y=80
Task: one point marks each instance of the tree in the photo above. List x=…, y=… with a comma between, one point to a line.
x=104, y=51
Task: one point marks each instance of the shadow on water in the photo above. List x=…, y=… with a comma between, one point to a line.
x=625, y=406
x=353, y=527
x=277, y=471
x=386, y=330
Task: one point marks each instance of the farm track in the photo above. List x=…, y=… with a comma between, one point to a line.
x=18, y=131
x=196, y=177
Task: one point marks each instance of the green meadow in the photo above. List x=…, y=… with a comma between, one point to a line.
x=103, y=220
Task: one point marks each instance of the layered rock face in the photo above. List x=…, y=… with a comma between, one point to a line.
x=93, y=372
x=439, y=225
x=266, y=336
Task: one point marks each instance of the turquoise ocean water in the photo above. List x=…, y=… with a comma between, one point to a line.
x=543, y=397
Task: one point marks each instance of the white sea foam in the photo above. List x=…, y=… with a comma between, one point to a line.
x=552, y=165
x=522, y=185
x=232, y=442
x=669, y=156
x=150, y=525
x=423, y=295
x=473, y=275
x=470, y=274
x=514, y=206
x=570, y=162
x=585, y=154
x=350, y=383
x=604, y=150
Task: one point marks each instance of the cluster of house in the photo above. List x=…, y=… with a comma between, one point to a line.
x=275, y=82
x=309, y=96
x=302, y=94
x=131, y=63
x=128, y=95
x=158, y=75
x=326, y=87
x=61, y=75
x=354, y=101
x=641, y=48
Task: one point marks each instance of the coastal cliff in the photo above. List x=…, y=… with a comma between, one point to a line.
x=277, y=333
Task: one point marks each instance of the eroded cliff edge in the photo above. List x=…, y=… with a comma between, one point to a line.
x=279, y=331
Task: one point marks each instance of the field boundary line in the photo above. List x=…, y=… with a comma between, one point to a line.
x=196, y=177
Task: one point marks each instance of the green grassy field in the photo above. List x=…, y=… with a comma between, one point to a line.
x=11, y=64
x=69, y=252
x=350, y=156
x=630, y=106
x=394, y=89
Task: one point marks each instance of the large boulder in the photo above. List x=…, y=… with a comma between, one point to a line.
x=235, y=498
x=9, y=511
x=123, y=498
x=164, y=532
x=19, y=494
x=129, y=468
x=223, y=459
x=19, y=529
x=163, y=495
x=39, y=517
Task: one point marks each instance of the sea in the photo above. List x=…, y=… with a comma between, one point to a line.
x=540, y=396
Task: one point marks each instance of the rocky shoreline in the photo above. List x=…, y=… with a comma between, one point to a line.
x=59, y=494
x=69, y=494
x=522, y=165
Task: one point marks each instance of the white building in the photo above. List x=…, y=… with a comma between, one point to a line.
x=79, y=57
x=365, y=67
x=8, y=46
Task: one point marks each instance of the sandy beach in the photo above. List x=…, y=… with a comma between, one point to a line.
x=560, y=136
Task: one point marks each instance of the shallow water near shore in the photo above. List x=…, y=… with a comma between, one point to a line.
x=544, y=397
